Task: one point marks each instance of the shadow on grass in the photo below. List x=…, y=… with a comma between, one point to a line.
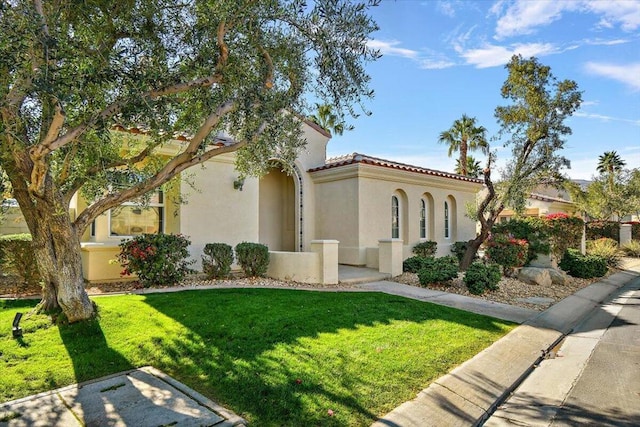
x=234, y=335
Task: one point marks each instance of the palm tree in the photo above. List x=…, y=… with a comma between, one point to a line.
x=463, y=136
x=610, y=164
x=473, y=167
x=328, y=120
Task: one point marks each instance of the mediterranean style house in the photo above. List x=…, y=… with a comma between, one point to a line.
x=354, y=201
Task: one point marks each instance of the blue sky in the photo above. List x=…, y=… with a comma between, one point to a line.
x=445, y=58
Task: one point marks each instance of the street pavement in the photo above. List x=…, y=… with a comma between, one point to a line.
x=592, y=378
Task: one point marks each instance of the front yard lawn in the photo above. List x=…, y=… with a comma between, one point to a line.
x=275, y=357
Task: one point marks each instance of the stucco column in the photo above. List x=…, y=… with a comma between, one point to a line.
x=625, y=233
x=328, y=251
x=390, y=256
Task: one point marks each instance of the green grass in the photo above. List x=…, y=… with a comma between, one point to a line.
x=275, y=357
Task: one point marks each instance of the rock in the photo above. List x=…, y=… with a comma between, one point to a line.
x=544, y=261
x=535, y=276
x=558, y=277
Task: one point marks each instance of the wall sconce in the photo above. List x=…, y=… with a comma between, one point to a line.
x=238, y=184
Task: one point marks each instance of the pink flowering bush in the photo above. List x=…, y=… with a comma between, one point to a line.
x=507, y=251
x=564, y=232
x=157, y=259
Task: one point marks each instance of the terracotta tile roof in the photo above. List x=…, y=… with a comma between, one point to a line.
x=353, y=158
x=219, y=140
x=544, y=198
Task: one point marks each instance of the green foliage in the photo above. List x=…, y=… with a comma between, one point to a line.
x=507, y=251
x=632, y=248
x=480, y=277
x=564, y=232
x=603, y=229
x=459, y=248
x=464, y=136
x=584, y=266
x=253, y=258
x=425, y=249
x=532, y=229
x=217, y=260
x=606, y=249
x=438, y=270
x=635, y=229
x=17, y=257
x=157, y=259
x=413, y=264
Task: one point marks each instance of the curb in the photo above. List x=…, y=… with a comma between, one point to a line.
x=470, y=393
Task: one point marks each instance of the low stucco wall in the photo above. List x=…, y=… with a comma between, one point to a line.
x=98, y=263
x=301, y=267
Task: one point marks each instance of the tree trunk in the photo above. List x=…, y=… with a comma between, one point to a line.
x=56, y=246
x=472, y=250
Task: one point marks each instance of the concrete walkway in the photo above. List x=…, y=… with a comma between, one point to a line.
x=470, y=393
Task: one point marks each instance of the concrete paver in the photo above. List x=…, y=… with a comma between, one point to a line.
x=143, y=397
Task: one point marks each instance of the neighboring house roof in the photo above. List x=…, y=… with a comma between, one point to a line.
x=354, y=158
x=550, y=199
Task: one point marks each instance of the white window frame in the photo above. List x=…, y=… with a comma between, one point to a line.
x=423, y=219
x=447, y=221
x=160, y=204
x=395, y=217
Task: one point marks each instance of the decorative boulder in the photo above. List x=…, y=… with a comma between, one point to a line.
x=558, y=277
x=544, y=261
x=535, y=276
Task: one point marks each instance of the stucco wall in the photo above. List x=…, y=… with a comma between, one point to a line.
x=354, y=207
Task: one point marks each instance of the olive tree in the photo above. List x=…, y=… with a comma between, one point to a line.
x=71, y=71
x=534, y=124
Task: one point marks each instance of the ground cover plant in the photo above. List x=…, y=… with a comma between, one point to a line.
x=276, y=357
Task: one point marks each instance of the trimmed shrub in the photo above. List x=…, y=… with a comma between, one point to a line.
x=253, y=258
x=217, y=260
x=157, y=259
x=532, y=229
x=459, y=248
x=632, y=248
x=479, y=277
x=584, y=266
x=17, y=257
x=413, y=264
x=599, y=229
x=507, y=251
x=425, y=249
x=605, y=248
x=635, y=229
x=438, y=270
x=564, y=232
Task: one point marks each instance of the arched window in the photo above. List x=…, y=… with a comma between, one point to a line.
x=446, y=220
x=423, y=219
x=395, y=218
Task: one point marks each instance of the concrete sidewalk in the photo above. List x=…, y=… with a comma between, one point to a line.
x=470, y=393
x=144, y=397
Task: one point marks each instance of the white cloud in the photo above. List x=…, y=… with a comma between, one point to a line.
x=390, y=48
x=525, y=16
x=494, y=56
x=446, y=8
x=628, y=74
x=425, y=60
x=604, y=118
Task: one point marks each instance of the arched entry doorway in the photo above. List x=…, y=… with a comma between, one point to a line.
x=277, y=215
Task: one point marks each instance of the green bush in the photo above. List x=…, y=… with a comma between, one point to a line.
x=17, y=257
x=217, y=260
x=532, y=229
x=253, y=258
x=458, y=250
x=605, y=248
x=157, y=259
x=438, y=270
x=584, y=266
x=632, y=248
x=413, y=264
x=507, y=251
x=480, y=277
x=564, y=232
x=599, y=229
x=425, y=249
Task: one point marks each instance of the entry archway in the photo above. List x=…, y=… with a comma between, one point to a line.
x=277, y=213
